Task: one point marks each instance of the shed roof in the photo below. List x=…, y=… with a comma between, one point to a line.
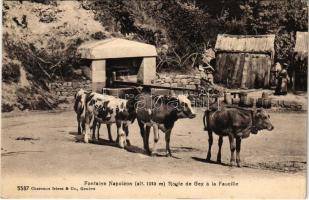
x=301, y=46
x=246, y=43
x=115, y=48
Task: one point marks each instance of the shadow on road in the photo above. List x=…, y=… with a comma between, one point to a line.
x=208, y=161
x=73, y=133
x=12, y=153
x=135, y=149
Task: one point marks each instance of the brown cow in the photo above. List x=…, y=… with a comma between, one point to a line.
x=236, y=123
x=160, y=112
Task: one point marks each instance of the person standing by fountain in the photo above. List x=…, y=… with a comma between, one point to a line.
x=283, y=81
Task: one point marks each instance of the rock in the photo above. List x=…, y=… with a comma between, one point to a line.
x=197, y=81
x=181, y=76
x=87, y=72
x=184, y=81
x=75, y=84
x=166, y=84
x=62, y=99
x=174, y=85
x=64, y=106
x=190, y=86
x=70, y=99
x=168, y=80
x=78, y=72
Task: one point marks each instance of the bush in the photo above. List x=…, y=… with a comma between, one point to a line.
x=10, y=71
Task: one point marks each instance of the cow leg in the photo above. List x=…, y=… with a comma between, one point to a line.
x=98, y=131
x=121, y=138
x=210, y=141
x=86, y=132
x=109, y=132
x=83, y=127
x=94, y=125
x=146, y=140
x=118, y=125
x=125, y=128
x=238, y=145
x=142, y=128
x=142, y=131
x=232, y=147
x=79, y=125
x=155, y=138
x=86, y=137
x=167, y=141
x=220, y=142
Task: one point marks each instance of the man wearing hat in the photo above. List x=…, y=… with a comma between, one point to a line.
x=283, y=81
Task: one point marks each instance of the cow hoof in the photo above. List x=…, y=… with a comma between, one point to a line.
x=128, y=143
x=154, y=154
x=238, y=165
x=148, y=153
x=208, y=158
x=168, y=155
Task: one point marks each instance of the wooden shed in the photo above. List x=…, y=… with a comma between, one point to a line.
x=132, y=61
x=300, y=63
x=244, y=61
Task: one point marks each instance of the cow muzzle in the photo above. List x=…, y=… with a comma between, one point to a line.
x=193, y=115
x=270, y=127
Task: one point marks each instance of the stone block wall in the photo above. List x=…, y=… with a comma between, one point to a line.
x=65, y=91
x=179, y=80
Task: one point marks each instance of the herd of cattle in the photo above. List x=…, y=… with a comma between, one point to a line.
x=160, y=113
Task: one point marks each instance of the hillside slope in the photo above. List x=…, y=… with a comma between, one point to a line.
x=39, y=46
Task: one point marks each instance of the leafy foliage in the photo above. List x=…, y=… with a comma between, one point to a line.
x=188, y=26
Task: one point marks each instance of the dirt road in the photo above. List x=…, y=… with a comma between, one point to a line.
x=45, y=144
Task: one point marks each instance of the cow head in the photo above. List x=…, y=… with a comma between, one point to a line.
x=262, y=121
x=185, y=108
x=103, y=112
